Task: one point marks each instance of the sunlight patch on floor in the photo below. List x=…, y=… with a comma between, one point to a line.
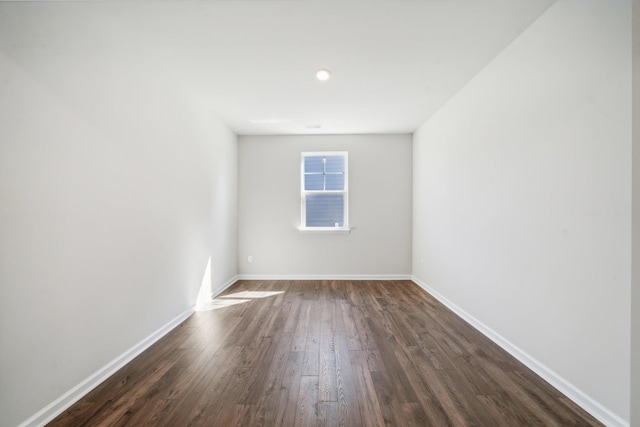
x=219, y=303
x=229, y=300
x=251, y=294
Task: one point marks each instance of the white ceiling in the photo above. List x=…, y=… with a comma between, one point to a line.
x=393, y=64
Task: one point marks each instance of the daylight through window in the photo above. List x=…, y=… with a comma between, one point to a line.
x=324, y=190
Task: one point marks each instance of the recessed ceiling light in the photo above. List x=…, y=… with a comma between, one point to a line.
x=323, y=75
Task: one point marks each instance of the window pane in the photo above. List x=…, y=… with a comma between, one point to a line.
x=313, y=164
x=335, y=164
x=335, y=181
x=314, y=182
x=325, y=210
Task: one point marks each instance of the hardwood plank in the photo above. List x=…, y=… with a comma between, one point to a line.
x=348, y=408
x=312, y=342
x=234, y=415
x=306, y=414
x=327, y=369
x=526, y=402
x=370, y=410
x=439, y=403
x=402, y=384
x=388, y=403
x=576, y=412
x=266, y=408
x=410, y=415
x=288, y=396
x=327, y=414
x=350, y=327
x=198, y=401
x=300, y=333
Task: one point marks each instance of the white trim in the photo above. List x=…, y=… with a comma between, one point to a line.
x=220, y=289
x=344, y=192
x=603, y=414
x=55, y=408
x=214, y=292
x=324, y=230
x=324, y=277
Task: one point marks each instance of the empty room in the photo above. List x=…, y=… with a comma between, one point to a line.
x=295, y=213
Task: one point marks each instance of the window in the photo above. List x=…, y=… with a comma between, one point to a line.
x=325, y=186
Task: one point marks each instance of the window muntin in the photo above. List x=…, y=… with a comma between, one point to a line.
x=325, y=191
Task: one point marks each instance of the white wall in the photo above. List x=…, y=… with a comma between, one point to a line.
x=635, y=275
x=379, y=208
x=116, y=186
x=522, y=199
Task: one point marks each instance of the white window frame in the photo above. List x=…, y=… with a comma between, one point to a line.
x=345, y=192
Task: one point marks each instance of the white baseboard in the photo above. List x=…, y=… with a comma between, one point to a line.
x=324, y=277
x=62, y=403
x=69, y=398
x=603, y=414
x=217, y=291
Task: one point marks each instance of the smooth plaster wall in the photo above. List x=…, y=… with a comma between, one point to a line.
x=521, y=202
x=116, y=186
x=379, y=208
x=635, y=275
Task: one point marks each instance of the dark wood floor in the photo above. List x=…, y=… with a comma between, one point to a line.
x=332, y=353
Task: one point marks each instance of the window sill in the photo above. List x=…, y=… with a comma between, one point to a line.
x=327, y=230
